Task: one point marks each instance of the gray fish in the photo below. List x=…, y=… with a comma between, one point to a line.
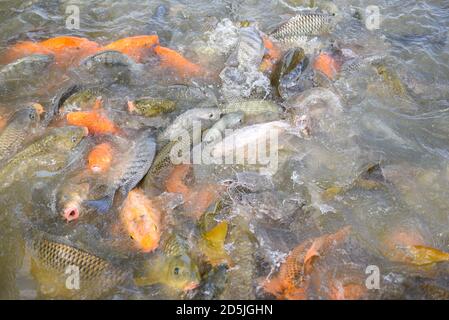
x=17, y=129
x=228, y=121
x=111, y=67
x=132, y=171
x=304, y=25
x=109, y=58
x=24, y=70
x=185, y=121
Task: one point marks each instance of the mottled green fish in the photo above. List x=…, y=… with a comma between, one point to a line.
x=151, y=107
x=50, y=153
x=17, y=129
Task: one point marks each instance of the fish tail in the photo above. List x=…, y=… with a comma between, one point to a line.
x=102, y=205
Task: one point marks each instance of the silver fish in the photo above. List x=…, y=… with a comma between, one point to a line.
x=304, y=25
x=228, y=121
x=185, y=121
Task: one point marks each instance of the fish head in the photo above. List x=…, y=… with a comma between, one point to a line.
x=69, y=137
x=70, y=198
x=29, y=116
x=211, y=114
x=182, y=273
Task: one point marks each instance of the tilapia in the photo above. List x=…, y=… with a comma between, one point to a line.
x=250, y=49
x=302, y=26
x=54, y=261
x=82, y=100
x=185, y=121
x=252, y=107
x=136, y=165
x=50, y=153
x=23, y=70
x=228, y=121
x=18, y=128
x=151, y=107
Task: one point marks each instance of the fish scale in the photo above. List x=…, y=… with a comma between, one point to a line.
x=97, y=276
x=302, y=26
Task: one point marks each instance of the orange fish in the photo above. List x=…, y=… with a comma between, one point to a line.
x=142, y=220
x=100, y=158
x=175, y=61
x=66, y=49
x=96, y=121
x=326, y=64
x=23, y=49
x=272, y=56
x=137, y=47
x=293, y=278
x=196, y=199
x=70, y=50
x=342, y=290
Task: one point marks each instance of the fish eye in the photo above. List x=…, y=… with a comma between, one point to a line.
x=32, y=116
x=74, y=139
x=211, y=115
x=176, y=271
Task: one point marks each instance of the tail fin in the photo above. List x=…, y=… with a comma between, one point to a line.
x=102, y=205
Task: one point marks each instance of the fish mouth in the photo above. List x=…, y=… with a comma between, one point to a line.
x=71, y=213
x=96, y=169
x=191, y=285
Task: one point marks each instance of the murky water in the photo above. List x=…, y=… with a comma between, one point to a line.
x=378, y=164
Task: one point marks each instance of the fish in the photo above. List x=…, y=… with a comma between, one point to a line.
x=196, y=199
x=135, y=166
x=252, y=107
x=192, y=95
x=271, y=57
x=18, y=128
x=96, y=121
x=409, y=247
x=327, y=64
x=250, y=49
x=212, y=244
x=174, y=268
x=100, y=158
x=391, y=79
x=163, y=159
x=292, y=281
x=228, y=121
x=69, y=50
x=52, y=259
x=81, y=100
x=300, y=27
x=23, y=71
x=23, y=49
x=50, y=152
x=138, y=47
x=240, y=284
x=70, y=199
x=240, y=139
x=151, y=107
x=289, y=70
x=173, y=60
x=107, y=58
x=184, y=122
x=141, y=218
